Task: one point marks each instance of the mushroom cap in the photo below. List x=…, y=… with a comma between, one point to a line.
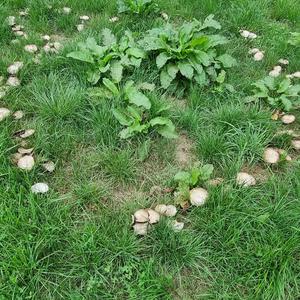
x=271, y=156
x=13, y=81
x=49, y=166
x=245, y=179
x=177, y=226
x=25, y=151
x=40, y=188
x=153, y=216
x=26, y=162
x=288, y=119
x=198, y=196
x=4, y=113
x=27, y=133
x=296, y=144
x=31, y=48
x=141, y=216
x=171, y=211
x=19, y=114
x=258, y=56
x=161, y=208
x=140, y=228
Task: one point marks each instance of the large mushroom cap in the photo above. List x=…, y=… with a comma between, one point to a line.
x=245, y=179
x=288, y=119
x=141, y=216
x=271, y=156
x=198, y=196
x=153, y=216
x=140, y=228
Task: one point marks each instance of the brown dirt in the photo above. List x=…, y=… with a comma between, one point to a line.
x=184, y=151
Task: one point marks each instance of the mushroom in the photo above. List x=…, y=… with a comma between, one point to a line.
x=271, y=156
x=26, y=162
x=258, y=56
x=27, y=133
x=19, y=114
x=253, y=51
x=11, y=20
x=283, y=61
x=177, y=226
x=4, y=113
x=141, y=216
x=245, y=179
x=140, y=228
x=113, y=19
x=296, y=144
x=80, y=27
x=198, y=196
x=49, y=166
x=161, y=208
x=153, y=216
x=84, y=18
x=40, y=188
x=13, y=81
x=288, y=119
x=22, y=150
x=15, y=67
x=31, y=48
x=66, y=10
x=171, y=211
x=165, y=16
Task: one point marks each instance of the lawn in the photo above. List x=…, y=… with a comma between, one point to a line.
x=120, y=121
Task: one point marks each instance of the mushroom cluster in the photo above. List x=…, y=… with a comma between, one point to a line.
x=83, y=19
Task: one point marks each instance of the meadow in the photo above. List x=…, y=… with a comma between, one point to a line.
x=106, y=113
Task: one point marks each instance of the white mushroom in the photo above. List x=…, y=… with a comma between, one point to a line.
x=31, y=48
x=141, y=216
x=283, y=61
x=165, y=16
x=26, y=162
x=22, y=150
x=15, y=157
x=245, y=179
x=46, y=37
x=288, y=119
x=49, y=166
x=296, y=74
x=57, y=45
x=198, y=196
x=17, y=28
x=19, y=33
x=66, y=10
x=153, y=216
x=27, y=133
x=258, y=56
x=4, y=113
x=80, y=27
x=84, y=18
x=161, y=208
x=40, y=188
x=140, y=228
x=296, y=144
x=177, y=226
x=244, y=33
x=113, y=19
x=271, y=156
x=15, y=67
x=23, y=13
x=171, y=211
x=274, y=73
x=252, y=35
x=11, y=20
x=13, y=81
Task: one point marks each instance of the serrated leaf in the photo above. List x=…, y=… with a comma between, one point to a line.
x=186, y=69
x=82, y=55
x=284, y=85
x=227, y=61
x=162, y=59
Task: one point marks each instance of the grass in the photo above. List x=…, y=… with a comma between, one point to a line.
x=76, y=241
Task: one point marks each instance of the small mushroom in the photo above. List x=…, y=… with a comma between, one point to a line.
x=198, y=196
x=15, y=67
x=66, y=10
x=113, y=19
x=141, y=216
x=245, y=179
x=153, y=216
x=22, y=150
x=258, y=56
x=4, y=113
x=177, y=226
x=296, y=74
x=296, y=144
x=46, y=37
x=13, y=81
x=165, y=16
x=80, y=27
x=40, y=188
x=288, y=119
x=140, y=228
x=15, y=157
x=49, y=166
x=284, y=62
x=253, y=51
x=84, y=18
x=161, y=208
x=27, y=133
x=171, y=211
x=271, y=156
x=31, y=48
x=26, y=162
x=11, y=20
x=19, y=114
x=19, y=33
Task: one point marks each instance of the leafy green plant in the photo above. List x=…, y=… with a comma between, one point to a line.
x=190, y=51
x=135, y=6
x=278, y=93
x=185, y=180
x=134, y=112
x=294, y=39
x=111, y=56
